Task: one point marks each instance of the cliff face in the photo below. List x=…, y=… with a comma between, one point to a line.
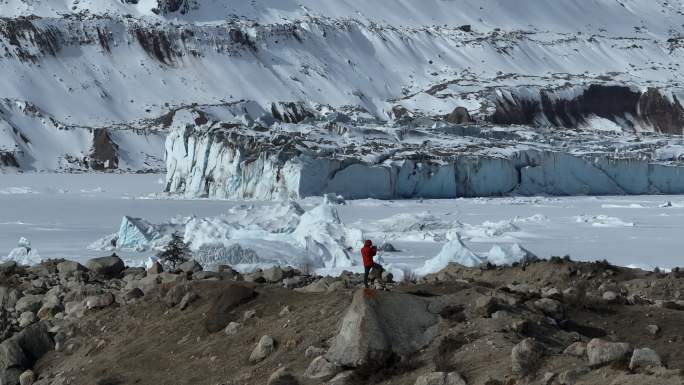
x=127, y=66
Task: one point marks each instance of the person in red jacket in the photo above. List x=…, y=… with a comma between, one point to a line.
x=368, y=252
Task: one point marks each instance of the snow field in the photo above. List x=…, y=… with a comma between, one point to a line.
x=73, y=217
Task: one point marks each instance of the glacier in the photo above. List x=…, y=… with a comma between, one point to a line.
x=297, y=161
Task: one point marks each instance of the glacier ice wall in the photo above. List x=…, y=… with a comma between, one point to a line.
x=232, y=165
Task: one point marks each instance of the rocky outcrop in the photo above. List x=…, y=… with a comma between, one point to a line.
x=572, y=107
x=104, y=154
x=380, y=327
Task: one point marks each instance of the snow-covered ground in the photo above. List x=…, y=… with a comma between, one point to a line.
x=62, y=215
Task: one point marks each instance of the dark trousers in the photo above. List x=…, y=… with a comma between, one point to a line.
x=367, y=269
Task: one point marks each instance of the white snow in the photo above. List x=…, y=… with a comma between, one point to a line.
x=454, y=251
x=64, y=224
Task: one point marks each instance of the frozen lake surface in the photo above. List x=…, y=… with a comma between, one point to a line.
x=61, y=214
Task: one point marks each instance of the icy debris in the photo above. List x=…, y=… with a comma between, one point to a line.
x=106, y=243
x=321, y=232
x=24, y=254
x=501, y=255
x=453, y=251
x=249, y=237
x=334, y=199
x=629, y=206
x=602, y=221
x=135, y=234
x=488, y=230
x=18, y=191
x=233, y=255
x=537, y=218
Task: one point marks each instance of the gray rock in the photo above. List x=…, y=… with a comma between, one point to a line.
x=550, y=307
x=133, y=294
x=644, y=358
x=187, y=299
x=106, y=266
x=282, y=376
x=219, y=313
x=8, y=297
x=263, y=349
x=320, y=286
x=190, y=266
x=552, y=293
x=634, y=299
x=520, y=288
x=526, y=356
x=577, y=349
x=379, y=325
x=74, y=309
x=202, y=275
x=291, y=283
x=387, y=277
x=602, y=352
x=255, y=276
x=99, y=301
x=570, y=377
x=313, y=351
x=175, y=294
x=321, y=369
x=9, y=267
x=49, y=309
x=273, y=274
x=344, y=378
x=486, y=306
x=440, y=378
x=156, y=268
x=549, y=378
x=27, y=318
x=29, y=302
x=27, y=378
x=67, y=268
x=232, y=328
x=249, y=314
x=653, y=329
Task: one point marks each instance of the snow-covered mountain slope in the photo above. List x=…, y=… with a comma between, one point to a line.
x=123, y=65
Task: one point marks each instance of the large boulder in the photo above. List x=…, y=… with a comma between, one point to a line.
x=525, y=356
x=263, y=349
x=381, y=325
x=190, y=266
x=459, y=115
x=111, y=266
x=231, y=297
x=22, y=350
x=602, y=352
x=644, y=358
x=282, y=376
x=29, y=302
x=321, y=369
x=68, y=268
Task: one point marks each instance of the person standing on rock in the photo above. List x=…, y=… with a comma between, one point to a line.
x=368, y=252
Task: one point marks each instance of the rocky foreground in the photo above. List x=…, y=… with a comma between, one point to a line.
x=548, y=322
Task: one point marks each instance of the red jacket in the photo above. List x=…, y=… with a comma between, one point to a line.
x=368, y=252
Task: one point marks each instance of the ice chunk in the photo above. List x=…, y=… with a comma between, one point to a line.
x=321, y=232
x=603, y=221
x=23, y=254
x=454, y=251
x=135, y=234
x=233, y=255
x=508, y=254
x=106, y=243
